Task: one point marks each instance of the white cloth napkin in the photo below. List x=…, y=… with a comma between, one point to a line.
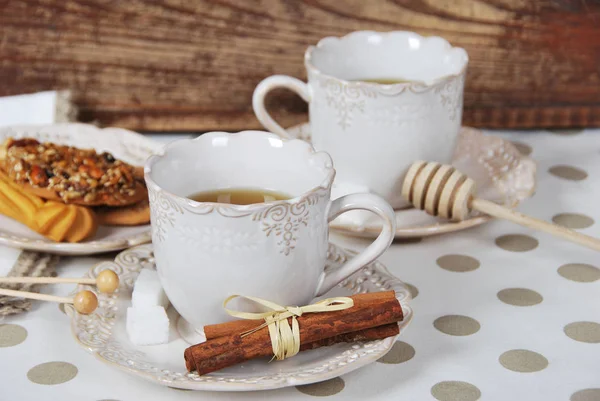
x=37, y=108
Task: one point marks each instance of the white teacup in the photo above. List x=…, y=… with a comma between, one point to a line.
x=206, y=252
x=375, y=131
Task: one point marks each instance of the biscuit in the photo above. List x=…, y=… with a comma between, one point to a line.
x=124, y=216
x=85, y=223
x=71, y=175
x=58, y=226
x=54, y=220
x=49, y=215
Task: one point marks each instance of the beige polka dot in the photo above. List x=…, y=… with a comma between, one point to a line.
x=455, y=391
x=566, y=132
x=457, y=325
x=517, y=242
x=11, y=335
x=458, y=263
x=568, y=173
x=522, y=360
x=414, y=291
x=573, y=220
x=519, y=297
x=579, y=272
x=400, y=352
x=523, y=148
x=323, y=389
x=589, y=394
x=586, y=332
x=52, y=373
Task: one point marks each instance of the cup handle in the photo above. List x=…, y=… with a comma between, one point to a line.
x=374, y=204
x=264, y=87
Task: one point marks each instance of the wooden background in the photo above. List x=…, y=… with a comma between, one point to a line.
x=181, y=65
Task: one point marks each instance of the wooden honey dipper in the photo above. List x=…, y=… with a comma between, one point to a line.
x=443, y=191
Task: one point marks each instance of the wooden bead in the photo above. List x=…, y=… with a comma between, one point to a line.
x=107, y=281
x=85, y=302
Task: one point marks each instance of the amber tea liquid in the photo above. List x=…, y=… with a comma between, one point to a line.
x=239, y=196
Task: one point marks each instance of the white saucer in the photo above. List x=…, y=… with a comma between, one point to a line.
x=501, y=172
x=103, y=334
x=123, y=144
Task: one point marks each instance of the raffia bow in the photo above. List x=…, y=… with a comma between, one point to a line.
x=285, y=339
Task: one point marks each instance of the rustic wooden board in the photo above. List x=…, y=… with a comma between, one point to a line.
x=180, y=65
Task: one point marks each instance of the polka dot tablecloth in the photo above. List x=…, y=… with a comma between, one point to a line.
x=501, y=312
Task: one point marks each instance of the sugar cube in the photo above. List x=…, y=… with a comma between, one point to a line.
x=147, y=325
x=147, y=290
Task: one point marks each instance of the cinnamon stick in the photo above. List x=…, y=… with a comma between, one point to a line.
x=226, y=351
x=241, y=326
x=374, y=333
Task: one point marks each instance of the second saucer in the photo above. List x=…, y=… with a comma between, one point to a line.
x=502, y=174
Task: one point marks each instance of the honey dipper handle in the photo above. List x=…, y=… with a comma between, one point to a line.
x=502, y=212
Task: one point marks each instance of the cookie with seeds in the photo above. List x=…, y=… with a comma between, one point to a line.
x=71, y=175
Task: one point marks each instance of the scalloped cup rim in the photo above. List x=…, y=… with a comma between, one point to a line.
x=331, y=40
x=324, y=157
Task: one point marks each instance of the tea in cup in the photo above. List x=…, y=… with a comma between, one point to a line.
x=248, y=214
x=377, y=103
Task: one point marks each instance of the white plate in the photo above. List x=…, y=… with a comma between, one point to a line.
x=103, y=334
x=501, y=172
x=123, y=144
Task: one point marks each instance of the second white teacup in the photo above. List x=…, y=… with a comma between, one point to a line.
x=374, y=131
